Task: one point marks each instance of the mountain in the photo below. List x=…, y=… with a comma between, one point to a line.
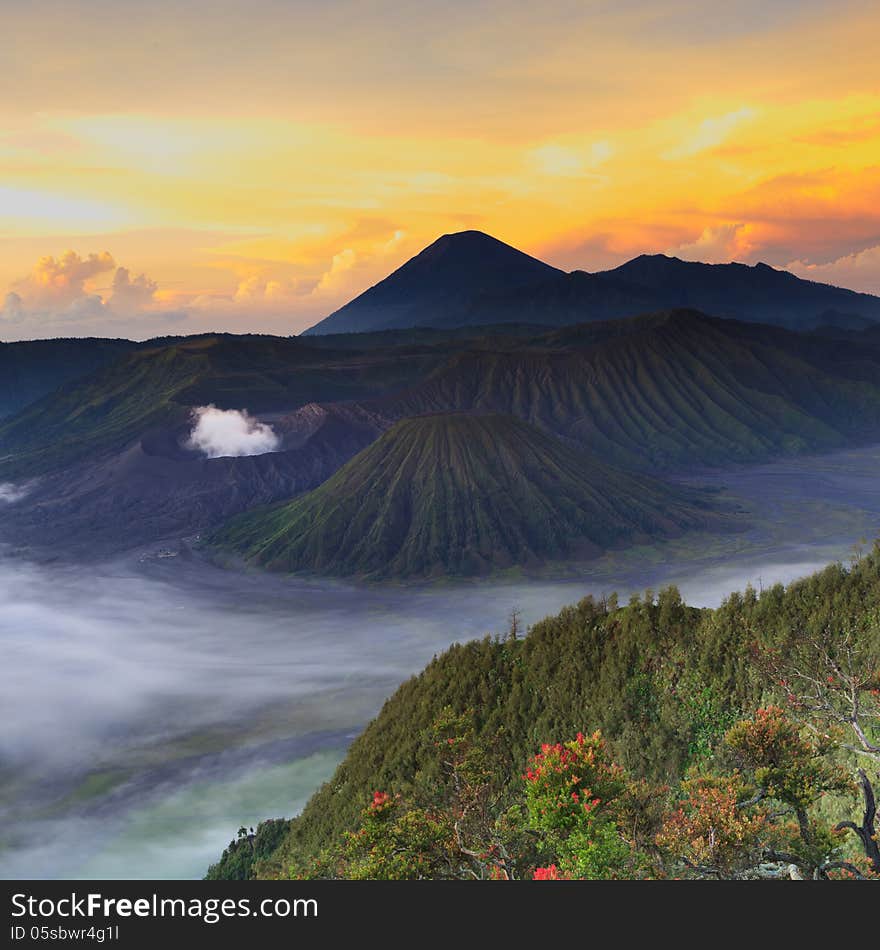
x=756, y=293
x=470, y=280
x=31, y=369
x=155, y=387
x=865, y=336
x=461, y=494
x=561, y=300
x=668, y=390
x=154, y=490
x=440, y=280
x=104, y=459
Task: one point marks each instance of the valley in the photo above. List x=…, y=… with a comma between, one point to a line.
x=181, y=701
x=108, y=463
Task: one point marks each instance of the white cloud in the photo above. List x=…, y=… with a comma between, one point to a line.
x=859, y=271
x=224, y=433
x=709, y=134
x=341, y=264
x=62, y=295
x=13, y=307
x=131, y=294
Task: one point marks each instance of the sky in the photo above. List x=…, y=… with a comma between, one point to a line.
x=251, y=166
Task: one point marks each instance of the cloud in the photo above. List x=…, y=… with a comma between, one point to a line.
x=282, y=287
x=60, y=281
x=225, y=433
x=129, y=294
x=260, y=289
x=13, y=307
x=816, y=217
x=568, y=162
x=862, y=129
x=63, y=294
x=556, y=160
x=718, y=245
x=859, y=271
x=341, y=264
x=609, y=244
x=709, y=134
x=352, y=270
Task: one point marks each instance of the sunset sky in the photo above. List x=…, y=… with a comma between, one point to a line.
x=177, y=167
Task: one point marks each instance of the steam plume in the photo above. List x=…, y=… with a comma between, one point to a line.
x=224, y=433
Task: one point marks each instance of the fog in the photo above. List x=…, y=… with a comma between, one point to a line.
x=153, y=705
x=219, y=433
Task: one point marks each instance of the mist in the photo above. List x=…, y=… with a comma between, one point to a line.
x=151, y=709
x=223, y=433
x=152, y=705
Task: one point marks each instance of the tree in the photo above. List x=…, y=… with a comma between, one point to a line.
x=786, y=765
x=832, y=682
x=733, y=825
x=713, y=830
x=452, y=828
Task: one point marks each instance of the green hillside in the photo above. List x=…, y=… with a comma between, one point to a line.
x=461, y=494
x=31, y=369
x=668, y=390
x=663, y=681
x=155, y=386
x=660, y=391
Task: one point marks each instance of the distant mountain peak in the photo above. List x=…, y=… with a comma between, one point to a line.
x=469, y=278
x=470, y=236
x=439, y=282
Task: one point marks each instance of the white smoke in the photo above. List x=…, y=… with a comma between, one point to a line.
x=9, y=493
x=225, y=433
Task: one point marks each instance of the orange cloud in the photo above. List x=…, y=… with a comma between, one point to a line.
x=61, y=296
x=834, y=134
x=62, y=280
x=719, y=244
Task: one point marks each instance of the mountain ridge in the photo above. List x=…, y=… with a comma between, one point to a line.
x=658, y=393
x=440, y=287
x=665, y=390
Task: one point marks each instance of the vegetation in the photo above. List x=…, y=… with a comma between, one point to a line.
x=461, y=494
x=156, y=385
x=713, y=743
x=31, y=369
x=672, y=389
x=247, y=848
x=669, y=390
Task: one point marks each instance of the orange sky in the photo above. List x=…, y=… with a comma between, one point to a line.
x=227, y=165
